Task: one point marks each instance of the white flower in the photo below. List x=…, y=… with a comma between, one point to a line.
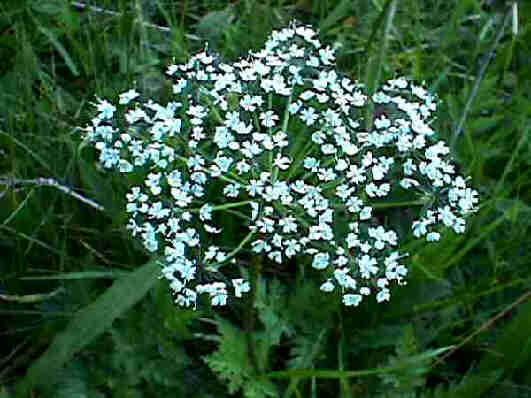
x=106, y=109
x=383, y=295
x=205, y=213
x=352, y=299
x=128, y=96
x=328, y=286
x=366, y=213
x=288, y=225
x=367, y=266
x=305, y=32
x=308, y=116
x=274, y=143
x=179, y=86
x=265, y=225
x=240, y=286
x=268, y=118
x=282, y=162
x=433, y=237
x=365, y=291
x=321, y=260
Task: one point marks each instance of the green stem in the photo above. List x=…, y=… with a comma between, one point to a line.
x=231, y=205
x=270, y=129
x=285, y=121
x=310, y=173
x=241, y=245
x=236, y=180
x=213, y=109
x=250, y=315
x=385, y=205
x=375, y=64
x=215, y=266
x=296, y=165
x=344, y=386
x=227, y=206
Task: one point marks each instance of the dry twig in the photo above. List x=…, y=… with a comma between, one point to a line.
x=50, y=182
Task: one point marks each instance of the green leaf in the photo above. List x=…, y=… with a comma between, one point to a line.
x=4, y=393
x=512, y=349
x=305, y=349
x=101, y=188
x=335, y=374
x=375, y=63
x=60, y=49
x=406, y=380
x=339, y=12
x=230, y=362
x=482, y=124
x=80, y=275
x=88, y=324
x=214, y=24
x=232, y=365
x=51, y=7
x=473, y=386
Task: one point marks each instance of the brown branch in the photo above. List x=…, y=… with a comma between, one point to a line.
x=484, y=327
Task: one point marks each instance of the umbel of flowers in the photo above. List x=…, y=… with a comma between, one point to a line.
x=284, y=141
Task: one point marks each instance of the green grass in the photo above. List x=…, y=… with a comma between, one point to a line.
x=460, y=327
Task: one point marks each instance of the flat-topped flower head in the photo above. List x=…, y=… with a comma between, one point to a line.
x=280, y=140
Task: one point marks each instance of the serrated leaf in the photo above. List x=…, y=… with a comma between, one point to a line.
x=305, y=349
x=232, y=364
x=230, y=361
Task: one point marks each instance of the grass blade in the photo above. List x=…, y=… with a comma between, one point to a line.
x=79, y=275
x=374, y=67
x=61, y=50
x=88, y=324
x=479, y=78
x=339, y=12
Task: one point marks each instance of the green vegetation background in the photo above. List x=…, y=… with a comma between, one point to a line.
x=82, y=311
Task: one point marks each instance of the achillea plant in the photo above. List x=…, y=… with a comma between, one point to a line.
x=283, y=139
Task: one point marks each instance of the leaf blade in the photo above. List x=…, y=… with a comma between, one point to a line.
x=88, y=324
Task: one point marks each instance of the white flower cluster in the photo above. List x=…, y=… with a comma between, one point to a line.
x=280, y=137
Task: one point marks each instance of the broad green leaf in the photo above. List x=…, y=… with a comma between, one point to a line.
x=88, y=324
x=213, y=25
